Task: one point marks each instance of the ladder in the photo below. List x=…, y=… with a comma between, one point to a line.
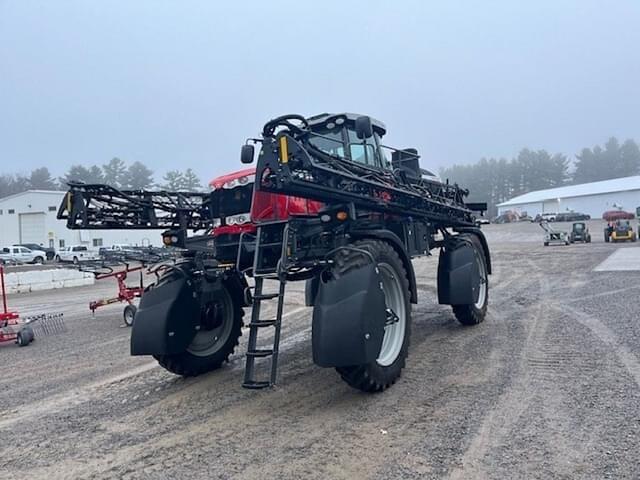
x=257, y=323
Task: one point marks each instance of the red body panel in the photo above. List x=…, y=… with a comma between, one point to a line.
x=218, y=182
x=265, y=206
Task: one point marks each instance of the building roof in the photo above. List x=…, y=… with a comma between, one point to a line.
x=583, y=189
x=27, y=192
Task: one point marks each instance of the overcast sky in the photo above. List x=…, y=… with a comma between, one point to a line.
x=180, y=84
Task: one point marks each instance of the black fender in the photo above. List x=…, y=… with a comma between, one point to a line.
x=348, y=318
x=483, y=241
x=458, y=274
x=169, y=312
x=398, y=246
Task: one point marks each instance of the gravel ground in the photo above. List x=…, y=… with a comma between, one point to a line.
x=547, y=387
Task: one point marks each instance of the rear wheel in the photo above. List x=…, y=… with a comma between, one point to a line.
x=387, y=368
x=25, y=336
x=475, y=313
x=129, y=314
x=217, y=338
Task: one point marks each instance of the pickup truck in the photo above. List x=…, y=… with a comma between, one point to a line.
x=76, y=254
x=18, y=254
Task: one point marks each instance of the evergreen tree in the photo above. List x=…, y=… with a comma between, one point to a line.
x=173, y=181
x=115, y=172
x=77, y=173
x=139, y=177
x=191, y=181
x=40, y=179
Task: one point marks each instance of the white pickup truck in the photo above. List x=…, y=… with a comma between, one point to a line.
x=76, y=254
x=18, y=254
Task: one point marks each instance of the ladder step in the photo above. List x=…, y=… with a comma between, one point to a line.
x=271, y=244
x=262, y=323
x=266, y=296
x=260, y=353
x=255, y=385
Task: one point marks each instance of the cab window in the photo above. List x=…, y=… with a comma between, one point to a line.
x=329, y=141
x=357, y=149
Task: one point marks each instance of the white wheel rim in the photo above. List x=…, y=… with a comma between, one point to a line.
x=394, y=299
x=482, y=289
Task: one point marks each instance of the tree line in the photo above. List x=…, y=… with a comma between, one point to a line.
x=495, y=180
x=116, y=172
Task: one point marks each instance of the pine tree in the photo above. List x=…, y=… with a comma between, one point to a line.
x=173, y=181
x=139, y=177
x=115, y=172
x=191, y=181
x=40, y=179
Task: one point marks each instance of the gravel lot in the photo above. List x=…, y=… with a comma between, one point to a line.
x=547, y=387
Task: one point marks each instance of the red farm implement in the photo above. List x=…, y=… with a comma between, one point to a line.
x=126, y=293
x=145, y=261
x=23, y=332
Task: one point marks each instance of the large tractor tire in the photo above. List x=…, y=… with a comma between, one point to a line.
x=386, y=369
x=212, y=345
x=475, y=313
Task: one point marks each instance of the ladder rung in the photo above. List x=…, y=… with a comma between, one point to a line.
x=262, y=323
x=260, y=353
x=266, y=274
x=255, y=385
x=271, y=244
x=265, y=296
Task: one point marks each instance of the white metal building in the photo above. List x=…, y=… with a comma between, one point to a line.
x=591, y=198
x=30, y=217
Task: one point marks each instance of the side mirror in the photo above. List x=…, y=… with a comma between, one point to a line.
x=364, y=129
x=246, y=154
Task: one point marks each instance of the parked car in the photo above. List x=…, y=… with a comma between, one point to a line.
x=572, y=217
x=548, y=216
x=613, y=215
x=116, y=250
x=18, y=254
x=76, y=254
x=51, y=252
x=482, y=221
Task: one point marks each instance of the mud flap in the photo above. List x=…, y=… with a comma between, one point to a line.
x=348, y=319
x=166, y=320
x=458, y=274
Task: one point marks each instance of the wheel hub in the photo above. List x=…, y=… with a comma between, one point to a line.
x=212, y=316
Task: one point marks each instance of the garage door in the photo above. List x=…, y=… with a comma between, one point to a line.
x=550, y=206
x=32, y=228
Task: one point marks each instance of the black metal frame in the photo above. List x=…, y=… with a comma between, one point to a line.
x=311, y=173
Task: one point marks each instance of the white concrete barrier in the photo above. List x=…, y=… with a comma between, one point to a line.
x=37, y=280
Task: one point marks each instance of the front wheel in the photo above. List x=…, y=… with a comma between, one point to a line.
x=475, y=313
x=216, y=340
x=386, y=369
x=38, y=260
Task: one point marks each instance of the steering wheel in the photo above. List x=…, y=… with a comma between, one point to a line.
x=284, y=121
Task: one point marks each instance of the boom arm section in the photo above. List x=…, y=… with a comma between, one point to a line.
x=98, y=206
x=291, y=164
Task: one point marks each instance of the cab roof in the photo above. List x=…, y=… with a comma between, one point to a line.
x=322, y=118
